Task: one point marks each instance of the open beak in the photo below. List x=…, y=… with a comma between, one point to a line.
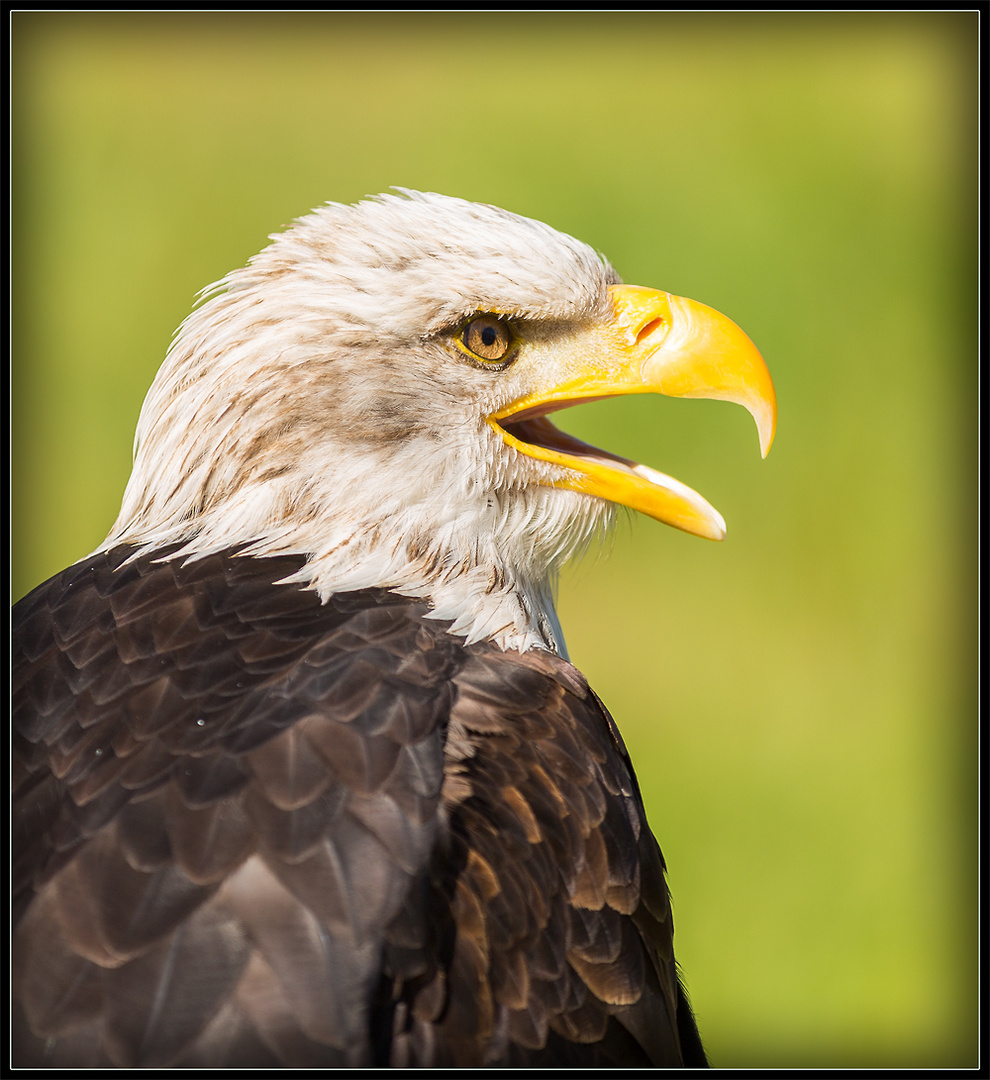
x=654, y=343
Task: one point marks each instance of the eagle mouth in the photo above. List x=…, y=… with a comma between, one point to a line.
x=534, y=429
x=620, y=480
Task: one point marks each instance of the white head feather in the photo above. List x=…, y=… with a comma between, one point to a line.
x=314, y=404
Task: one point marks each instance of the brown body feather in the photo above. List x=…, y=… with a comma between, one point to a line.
x=252, y=829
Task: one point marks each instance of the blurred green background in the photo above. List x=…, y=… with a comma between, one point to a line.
x=800, y=700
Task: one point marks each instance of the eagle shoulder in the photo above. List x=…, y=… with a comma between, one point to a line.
x=252, y=828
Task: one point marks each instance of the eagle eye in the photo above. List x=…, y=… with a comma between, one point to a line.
x=486, y=338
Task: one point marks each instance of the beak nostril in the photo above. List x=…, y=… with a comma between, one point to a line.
x=645, y=331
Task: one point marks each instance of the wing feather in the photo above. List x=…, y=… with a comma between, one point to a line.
x=254, y=829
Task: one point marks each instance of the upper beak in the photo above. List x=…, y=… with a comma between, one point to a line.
x=654, y=343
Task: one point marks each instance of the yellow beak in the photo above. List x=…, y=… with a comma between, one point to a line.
x=654, y=343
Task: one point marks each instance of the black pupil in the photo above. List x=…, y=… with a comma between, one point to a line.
x=488, y=336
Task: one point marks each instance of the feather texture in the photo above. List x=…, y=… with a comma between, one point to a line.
x=252, y=828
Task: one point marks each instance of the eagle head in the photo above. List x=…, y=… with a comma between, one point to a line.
x=372, y=391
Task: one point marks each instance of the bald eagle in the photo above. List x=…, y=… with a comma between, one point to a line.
x=302, y=774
